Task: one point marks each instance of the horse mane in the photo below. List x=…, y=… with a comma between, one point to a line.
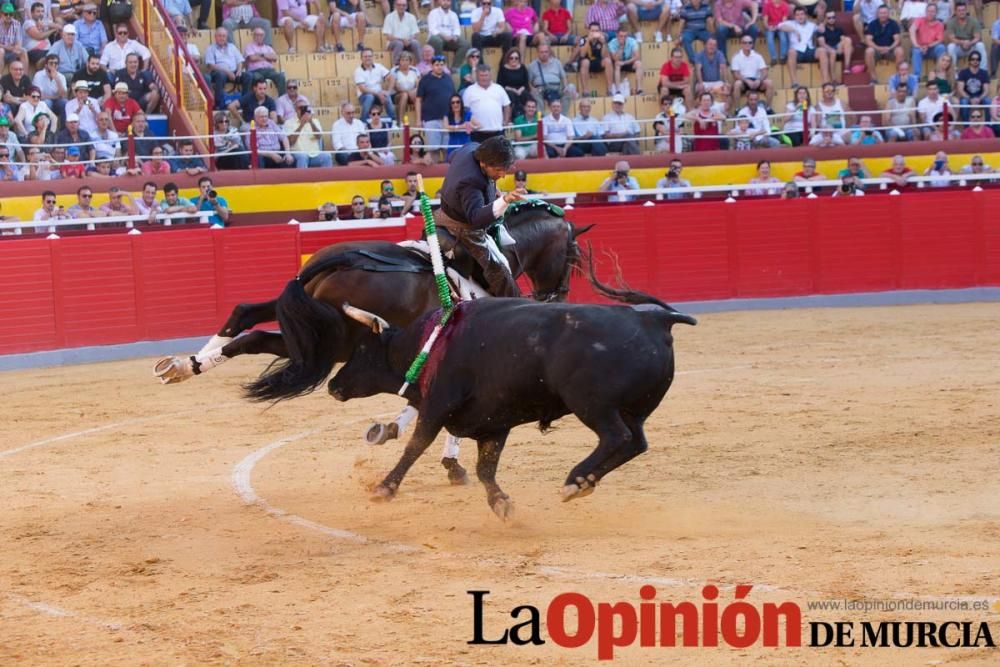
x=527, y=224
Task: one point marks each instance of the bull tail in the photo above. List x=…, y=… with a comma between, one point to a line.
x=625, y=294
x=312, y=331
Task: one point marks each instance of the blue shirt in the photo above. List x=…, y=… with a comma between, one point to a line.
x=631, y=46
x=911, y=84
x=882, y=34
x=92, y=36
x=206, y=205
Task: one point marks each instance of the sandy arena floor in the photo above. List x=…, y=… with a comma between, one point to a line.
x=843, y=453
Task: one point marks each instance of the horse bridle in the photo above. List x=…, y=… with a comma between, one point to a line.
x=560, y=292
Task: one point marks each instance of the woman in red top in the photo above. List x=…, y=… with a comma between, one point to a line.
x=706, y=124
x=555, y=25
x=675, y=76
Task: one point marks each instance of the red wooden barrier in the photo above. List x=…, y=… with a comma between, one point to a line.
x=113, y=288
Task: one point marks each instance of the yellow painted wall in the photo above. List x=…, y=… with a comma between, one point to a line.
x=297, y=196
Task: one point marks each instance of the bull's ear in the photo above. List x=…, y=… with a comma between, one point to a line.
x=376, y=323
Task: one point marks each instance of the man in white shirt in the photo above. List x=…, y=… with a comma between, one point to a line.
x=802, y=40
x=489, y=27
x=559, y=133
x=757, y=113
x=929, y=107
x=113, y=56
x=446, y=33
x=620, y=128
x=346, y=130
x=369, y=77
x=401, y=29
x=489, y=104
x=588, y=129
x=84, y=107
x=750, y=71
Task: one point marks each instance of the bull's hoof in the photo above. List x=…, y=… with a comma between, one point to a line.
x=456, y=473
x=383, y=493
x=581, y=489
x=379, y=434
x=503, y=507
x=171, y=370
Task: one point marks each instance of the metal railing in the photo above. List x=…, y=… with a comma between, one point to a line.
x=90, y=224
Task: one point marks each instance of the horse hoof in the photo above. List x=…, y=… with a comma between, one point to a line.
x=171, y=370
x=582, y=489
x=379, y=434
x=383, y=493
x=503, y=507
x=456, y=473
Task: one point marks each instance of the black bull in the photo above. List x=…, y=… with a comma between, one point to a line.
x=507, y=362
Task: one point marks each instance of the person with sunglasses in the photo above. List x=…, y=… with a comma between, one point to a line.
x=359, y=210
x=9, y=173
x=977, y=128
x=11, y=37
x=90, y=32
x=489, y=28
x=977, y=166
x=49, y=212
x=29, y=109
x=973, y=87
x=84, y=208
x=114, y=53
x=467, y=72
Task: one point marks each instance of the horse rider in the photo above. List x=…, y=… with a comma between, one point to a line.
x=470, y=206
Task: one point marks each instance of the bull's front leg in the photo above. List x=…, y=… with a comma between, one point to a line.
x=423, y=436
x=486, y=469
x=379, y=434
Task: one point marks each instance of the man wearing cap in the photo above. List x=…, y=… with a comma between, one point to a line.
x=38, y=29
x=122, y=108
x=113, y=55
x=11, y=37
x=90, y=32
x=521, y=182
x=73, y=167
x=72, y=56
x=445, y=32
x=97, y=79
x=141, y=86
x=470, y=206
x=433, y=94
x=71, y=134
x=620, y=128
x=9, y=140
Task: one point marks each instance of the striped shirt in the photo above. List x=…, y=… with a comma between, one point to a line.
x=605, y=15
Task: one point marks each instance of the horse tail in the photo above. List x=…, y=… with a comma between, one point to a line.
x=311, y=330
x=630, y=296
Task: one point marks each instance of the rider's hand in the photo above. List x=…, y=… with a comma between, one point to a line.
x=515, y=195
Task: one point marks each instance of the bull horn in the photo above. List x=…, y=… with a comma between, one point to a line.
x=372, y=320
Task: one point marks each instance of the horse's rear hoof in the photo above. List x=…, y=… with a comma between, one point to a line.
x=582, y=488
x=379, y=434
x=503, y=507
x=383, y=493
x=456, y=473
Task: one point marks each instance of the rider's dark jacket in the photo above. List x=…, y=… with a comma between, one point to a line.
x=468, y=194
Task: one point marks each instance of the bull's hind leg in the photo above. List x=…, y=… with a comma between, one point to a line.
x=631, y=449
x=615, y=438
x=486, y=469
x=423, y=436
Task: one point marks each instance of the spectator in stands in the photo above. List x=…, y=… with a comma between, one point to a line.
x=831, y=111
x=107, y=145
x=882, y=41
x=898, y=173
x=238, y=14
x=261, y=60
x=677, y=167
x=710, y=68
x=11, y=37
x=174, y=203
x=489, y=104
x=38, y=30
x=758, y=115
x=294, y=14
x=98, y=80
x=750, y=72
x=210, y=200
x=743, y=136
x=286, y=104
x=378, y=128
x=247, y=105
x=899, y=117
x=426, y=63
x=445, y=32
x=418, y=151
x=939, y=168
x=850, y=186
x=547, y=78
x=9, y=173
x=9, y=139
x=52, y=84
x=347, y=14
x=796, y=109
x=434, y=92
x=864, y=12
x=327, y=213
x=964, y=34
x=801, y=42
x=41, y=133
x=141, y=86
x=523, y=22
x=401, y=30
x=15, y=85
x=83, y=107
x=995, y=49
x=695, y=15
x=90, y=32
x=774, y=13
x=72, y=56
x=187, y=162
x=526, y=131
x=559, y=133
x=972, y=86
x=595, y=57
x=459, y=124
x=865, y=133
x=555, y=26
x=625, y=56
x=856, y=168
x=272, y=145
x=521, y=183
x=735, y=18
x=359, y=209
x=29, y=109
x=305, y=139
x=660, y=11
x=675, y=76
x=977, y=166
x=467, y=73
x=117, y=206
x=404, y=81
x=831, y=44
x=826, y=137
x=411, y=198
x=346, y=130
x=38, y=165
x=588, y=131
x=385, y=208
x=764, y=183
x=905, y=77
x=225, y=65
x=113, y=56
x=49, y=212
x=227, y=144
x=369, y=77
x=83, y=208
x=706, y=124
x=179, y=11
x=944, y=75
x=363, y=155
x=929, y=107
x=146, y=203
x=489, y=27
x=619, y=181
x=977, y=128
x=620, y=128
x=809, y=172
x=72, y=134
x=926, y=38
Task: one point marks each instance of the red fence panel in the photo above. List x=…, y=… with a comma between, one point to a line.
x=27, y=297
x=254, y=263
x=938, y=241
x=772, y=249
x=856, y=244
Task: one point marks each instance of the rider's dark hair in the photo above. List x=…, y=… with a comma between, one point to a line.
x=496, y=152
